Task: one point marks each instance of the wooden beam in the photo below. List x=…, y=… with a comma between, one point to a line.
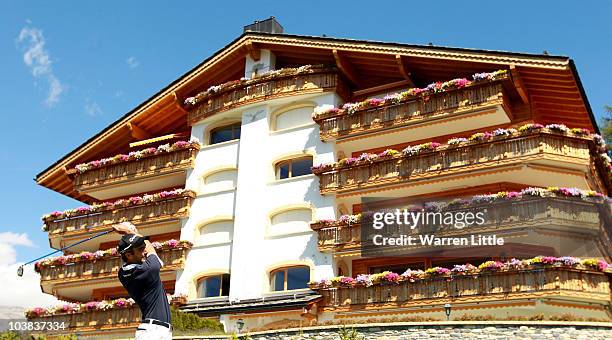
x=254, y=52
x=346, y=68
x=178, y=103
x=518, y=83
x=138, y=132
x=381, y=88
x=403, y=71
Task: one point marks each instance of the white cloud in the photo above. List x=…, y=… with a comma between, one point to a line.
x=19, y=291
x=132, y=62
x=38, y=59
x=92, y=108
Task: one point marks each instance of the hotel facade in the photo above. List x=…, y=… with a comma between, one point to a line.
x=250, y=173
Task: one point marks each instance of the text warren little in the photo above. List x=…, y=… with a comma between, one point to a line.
x=432, y=240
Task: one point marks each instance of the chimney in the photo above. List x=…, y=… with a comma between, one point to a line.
x=269, y=25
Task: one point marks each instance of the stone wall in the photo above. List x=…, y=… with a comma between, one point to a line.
x=455, y=330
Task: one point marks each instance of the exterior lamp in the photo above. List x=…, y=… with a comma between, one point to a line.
x=240, y=325
x=447, y=311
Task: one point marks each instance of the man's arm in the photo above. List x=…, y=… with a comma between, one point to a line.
x=129, y=228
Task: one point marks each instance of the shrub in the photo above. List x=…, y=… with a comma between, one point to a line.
x=182, y=321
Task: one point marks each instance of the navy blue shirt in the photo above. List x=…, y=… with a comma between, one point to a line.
x=144, y=285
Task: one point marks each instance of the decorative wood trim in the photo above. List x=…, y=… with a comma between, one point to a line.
x=518, y=83
x=138, y=132
x=254, y=52
x=347, y=69
x=403, y=71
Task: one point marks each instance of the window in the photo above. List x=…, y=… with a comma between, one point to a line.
x=294, y=117
x=294, y=167
x=289, y=278
x=220, y=180
x=292, y=221
x=225, y=133
x=292, y=216
x=212, y=286
x=216, y=233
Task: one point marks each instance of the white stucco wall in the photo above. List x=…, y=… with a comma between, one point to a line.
x=255, y=248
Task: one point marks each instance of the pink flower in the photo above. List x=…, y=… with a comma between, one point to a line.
x=375, y=101
x=391, y=277
x=135, y=200
x=347, y=280
x=92, y=305
x=83, y=209
x=513, y=194
x=172, y=243
x=461, y=82
x=434, y=145
x=180, y=144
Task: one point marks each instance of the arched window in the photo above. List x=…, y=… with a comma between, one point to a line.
x=289, y=278
x=225, y=133
x=213, y=286
x=291, y=217
x=293, y=117
x=220, y=180
x=216, y=233
x=293, y=167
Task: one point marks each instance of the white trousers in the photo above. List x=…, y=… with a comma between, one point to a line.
x=148, y=331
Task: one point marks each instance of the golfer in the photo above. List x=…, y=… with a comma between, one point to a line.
x=139, y=274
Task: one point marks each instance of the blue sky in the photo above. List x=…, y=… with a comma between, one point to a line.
x=94, y=61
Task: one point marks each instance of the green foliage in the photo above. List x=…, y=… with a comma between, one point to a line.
x=67, y=337
x=606, y=126
x=348, y=333
x=12, y=335
x=9, y=335
x=182, y=321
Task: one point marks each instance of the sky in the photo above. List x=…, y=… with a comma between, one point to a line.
x=70, y=68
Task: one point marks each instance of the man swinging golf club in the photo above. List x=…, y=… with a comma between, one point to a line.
x=139, y=274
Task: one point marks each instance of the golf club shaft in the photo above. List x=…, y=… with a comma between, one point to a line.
x=70, y=246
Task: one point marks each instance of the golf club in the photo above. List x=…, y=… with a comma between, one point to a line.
x=20, y=269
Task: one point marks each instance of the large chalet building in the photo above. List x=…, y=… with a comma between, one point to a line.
x=249, y=173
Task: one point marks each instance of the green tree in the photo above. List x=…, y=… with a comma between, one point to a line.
x=606, y=126
x=182, y=321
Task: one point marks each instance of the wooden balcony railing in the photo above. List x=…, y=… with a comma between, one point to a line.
x=482, y=287
x=318, y=81
x=450, y=103
x=581, y=215
x=157, y=211
x=160, y=164
x=451, y=160
x=173, y=258
x=92, y=321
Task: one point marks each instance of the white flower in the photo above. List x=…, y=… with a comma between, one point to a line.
x=321, y=109
x=164, y=147
x=194, y=140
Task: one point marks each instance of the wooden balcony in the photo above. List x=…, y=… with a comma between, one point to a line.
x=117, y=322
x=149, y=173
x=496, y=287
x=54, y=275
x=159, y=211
x=584, y=217
x=561, y=154
x=320, y=80
x=453, y=104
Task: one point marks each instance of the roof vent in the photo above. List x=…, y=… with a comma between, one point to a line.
x=269, y=25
